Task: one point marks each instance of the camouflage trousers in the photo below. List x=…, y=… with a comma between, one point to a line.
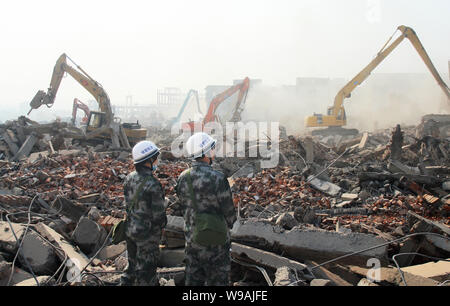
x=142, y=263
x=207, y=266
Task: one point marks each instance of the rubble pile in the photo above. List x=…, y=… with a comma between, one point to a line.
x=19, y=138
x=329, y=197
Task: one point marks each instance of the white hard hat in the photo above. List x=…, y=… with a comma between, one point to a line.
x=199, y=144
x=144, y=150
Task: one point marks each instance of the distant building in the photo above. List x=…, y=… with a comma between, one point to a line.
x=169, y=96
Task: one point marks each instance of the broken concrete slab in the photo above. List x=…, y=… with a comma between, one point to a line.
x=70, y=209
x=32, y=282
x=11, y=144
x=323, y=273
x=392, y=275
x=76, y=257
x=19, y=275
x=89, y=235
x=326, y=187
x=395, y=167
x=307, y=243
x=309, y=148
x=266, y=258
x=39, y=254
x=26, y=147
x=438, y=271
x=94, y=214
x=112, y=251
x=8, y=242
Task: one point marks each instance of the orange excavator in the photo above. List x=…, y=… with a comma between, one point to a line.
x=77, y=104
x=217, y=100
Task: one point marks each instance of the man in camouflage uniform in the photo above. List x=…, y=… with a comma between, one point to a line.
x=206, y=265
x=146, y=217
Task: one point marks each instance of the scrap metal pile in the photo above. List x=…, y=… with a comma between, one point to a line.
x=356, y=197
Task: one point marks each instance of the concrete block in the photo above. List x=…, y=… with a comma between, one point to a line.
x=265, y=258
x=438, y=271
x=392, y=275
x=78, y=258
x=19, y=275
x=70, y=209
x=307, y=243
x=39, y=254
x=395, y=166
x=8, y=242
x=323, y=186
x=309, y=147
x=89, y=235
x=112, y=251
x=26, y=147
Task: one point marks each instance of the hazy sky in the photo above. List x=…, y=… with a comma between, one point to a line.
x=136, y=47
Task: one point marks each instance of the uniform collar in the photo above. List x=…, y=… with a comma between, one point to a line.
x=145, y=171
x=200, y=163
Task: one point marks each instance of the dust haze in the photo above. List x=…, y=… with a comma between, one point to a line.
x=382, y=101
x=302, y=51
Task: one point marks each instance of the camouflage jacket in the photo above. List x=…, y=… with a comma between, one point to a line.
x=148, y=216
x=212, y=193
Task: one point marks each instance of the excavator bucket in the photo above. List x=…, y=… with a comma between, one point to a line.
x=37, y=100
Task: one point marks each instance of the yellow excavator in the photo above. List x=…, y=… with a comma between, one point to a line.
x=335, y=118
x=101, y=124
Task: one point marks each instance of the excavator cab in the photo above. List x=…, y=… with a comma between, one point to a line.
x=96, y=120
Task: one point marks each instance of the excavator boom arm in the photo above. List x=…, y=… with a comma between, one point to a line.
x=217, y=100
x=186, y=100
x=360, y=77
x=76, y=105
x=95, y=89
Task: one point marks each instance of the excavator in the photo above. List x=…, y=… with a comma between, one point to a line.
x=336, y=118
x=77, y=104
x=217, y=100
x=191, y=93
x=101, y=124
